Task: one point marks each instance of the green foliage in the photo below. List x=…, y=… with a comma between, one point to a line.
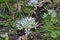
x=4, y=16
x=52, y=27
x=2, y=23
x=8, y=1
x=2, y=39
x=58, y=1
x=15, y=19
x=5, y=36
x=27, y=9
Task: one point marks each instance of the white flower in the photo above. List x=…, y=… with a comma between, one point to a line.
x=33, y=2
x=26, y=23
x=5, y=36
x=52, y=13
x=45, y=15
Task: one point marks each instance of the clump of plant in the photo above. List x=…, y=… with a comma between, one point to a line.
x=26, y=24
x=33, y=3
x=52, y=26
x=4, y=36
x=58, y=1
x=8, y=1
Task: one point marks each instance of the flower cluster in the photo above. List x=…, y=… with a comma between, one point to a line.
x=26, y=23
x=33, y=3
x=50, y=12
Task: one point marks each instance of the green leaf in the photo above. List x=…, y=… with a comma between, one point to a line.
x=2, y=22
x=27, y=9
x=54, y=34
x=53, y=20
x=8, y=1
x=4, y=16
x=1, y=39
x=57, y=1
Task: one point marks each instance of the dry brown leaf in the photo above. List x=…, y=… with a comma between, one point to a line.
x=18, y=5
x=22, y=38
x=44, y=1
